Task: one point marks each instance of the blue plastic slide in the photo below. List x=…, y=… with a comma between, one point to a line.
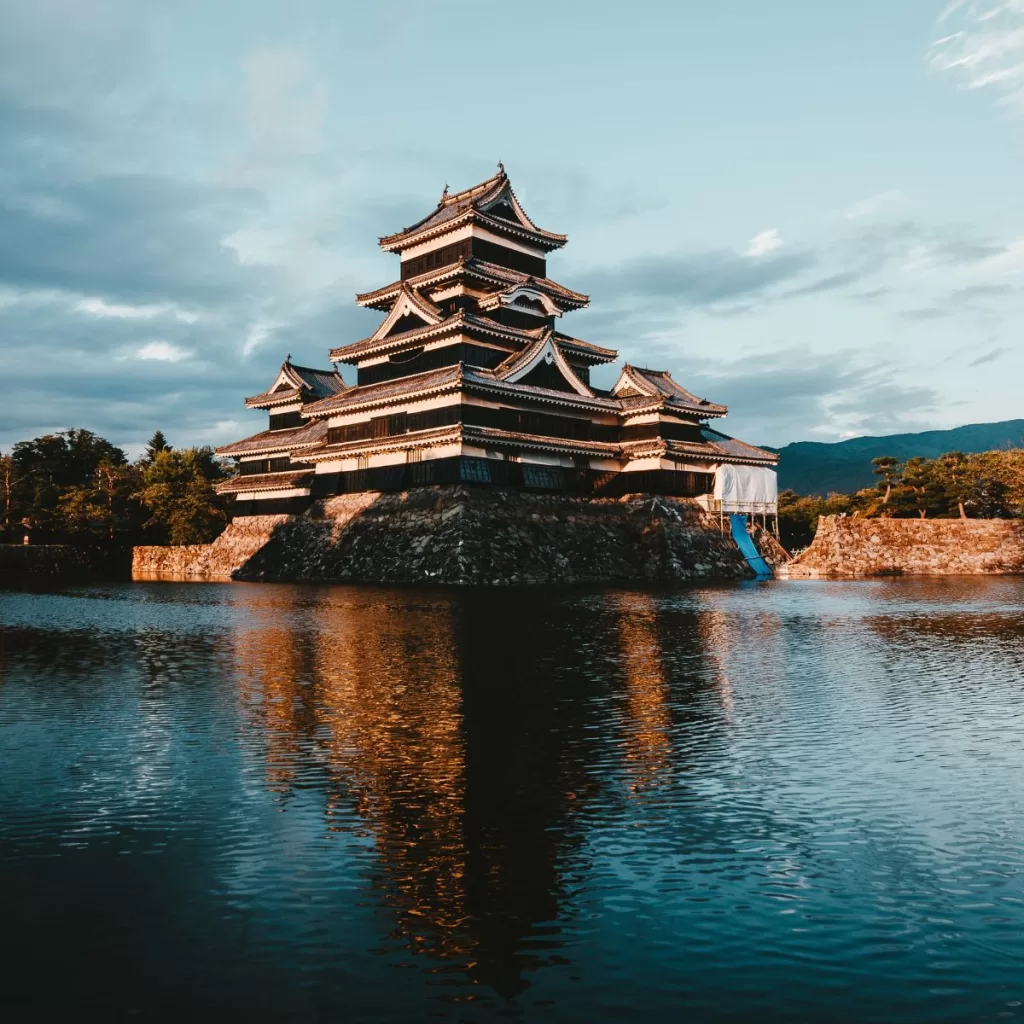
x=746, y=544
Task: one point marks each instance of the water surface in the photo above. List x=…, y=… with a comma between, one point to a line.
x=785, y=801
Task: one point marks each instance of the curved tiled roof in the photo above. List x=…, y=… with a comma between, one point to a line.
x=732, y=448
x=266, y=482
x=501, y=279
x=659, y=385
x=307, y=384
x=428, y=382
x=473, y=204
x=276, y=440
x=595, y=353
x=457, y=321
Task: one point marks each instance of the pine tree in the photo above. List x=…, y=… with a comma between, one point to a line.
x=157, y=443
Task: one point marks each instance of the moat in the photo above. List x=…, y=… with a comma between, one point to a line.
x=781, y=801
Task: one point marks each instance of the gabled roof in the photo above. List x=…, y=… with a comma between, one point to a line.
x=659, y=385
x=298, y=382
x=543, y=350
x=488, y=274
x=459, y=321
x=408, y=303
x=267, y=441
x=491, y=203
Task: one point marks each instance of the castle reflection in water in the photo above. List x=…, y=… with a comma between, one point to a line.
x=474, y=757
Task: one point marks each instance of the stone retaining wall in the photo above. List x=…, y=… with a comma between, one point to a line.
x=458, y=534
x=242, y=538
x=872, y=547
x=476, y=535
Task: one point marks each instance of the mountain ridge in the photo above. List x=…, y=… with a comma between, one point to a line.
x=823, y=467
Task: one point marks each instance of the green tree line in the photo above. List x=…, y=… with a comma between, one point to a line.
x=987, y=485
x=76, y=487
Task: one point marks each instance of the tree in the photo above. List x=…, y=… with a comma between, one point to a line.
x=953, y=473
x=999, y=483
x=7, y=483
x=157, y=443
x=43, y=469
x=104, y=509
x=888, y=468
x=921, y=490
x=179, y=494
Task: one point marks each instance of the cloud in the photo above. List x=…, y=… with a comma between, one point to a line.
x=989, y=357
x=828, y=283
x=162, y=351
x=982, y=291
x=795, y=393
x=256, y=336
x=707, y=279
x=122, y=311
x=985, y=50
x=871, y=294
x=981, y=302
x=872, y=205
x=924, y=314
x=764, y=243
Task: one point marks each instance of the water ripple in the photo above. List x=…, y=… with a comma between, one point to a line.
x=789, y=801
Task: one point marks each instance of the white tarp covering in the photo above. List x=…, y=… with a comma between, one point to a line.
x=746, y=488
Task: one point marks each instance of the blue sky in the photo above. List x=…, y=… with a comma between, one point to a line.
x=809, y=211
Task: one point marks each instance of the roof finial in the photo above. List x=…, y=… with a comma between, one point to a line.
x=501, y=167
x=444, y=194
x=288, y=358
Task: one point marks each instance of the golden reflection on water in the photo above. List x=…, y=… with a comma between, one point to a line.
x=389, y=705
x=430, y=737
x=375, y=690
x=647, y=726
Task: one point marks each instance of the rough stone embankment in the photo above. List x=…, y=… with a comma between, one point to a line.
x=459, y=534
x=230, y=551
x=874, y=547
x=463, y=535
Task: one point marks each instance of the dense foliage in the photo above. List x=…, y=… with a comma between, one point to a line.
x=987, y=485
x=76, y=487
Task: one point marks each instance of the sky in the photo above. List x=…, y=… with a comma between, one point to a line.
x=812, y=212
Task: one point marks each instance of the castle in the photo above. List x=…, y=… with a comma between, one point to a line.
x=469, y=379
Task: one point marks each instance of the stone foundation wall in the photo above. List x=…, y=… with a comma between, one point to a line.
x=242, y=538
x=460, y=534
x=166, y=560
x=464, y=535
x=872, y=547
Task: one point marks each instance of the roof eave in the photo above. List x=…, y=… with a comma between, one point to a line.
x=546, y=240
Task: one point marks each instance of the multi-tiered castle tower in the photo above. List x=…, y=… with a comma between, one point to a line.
x=469, y=378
